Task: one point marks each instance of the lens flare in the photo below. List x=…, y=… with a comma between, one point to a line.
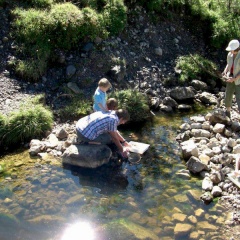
x=79, y=231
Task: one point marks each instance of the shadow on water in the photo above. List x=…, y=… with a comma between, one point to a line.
x=107, y=179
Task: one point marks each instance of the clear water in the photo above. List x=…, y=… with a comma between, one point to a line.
x=39, y=200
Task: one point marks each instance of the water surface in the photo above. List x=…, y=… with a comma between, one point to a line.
x=41, y=199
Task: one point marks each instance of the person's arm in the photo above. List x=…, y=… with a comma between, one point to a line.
x=123, y=140
x=233, y=79
x=116, y=137
x=225, y=70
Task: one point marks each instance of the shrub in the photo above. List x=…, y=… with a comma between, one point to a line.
x=65, y=25
x=29, y=122
x=135, y=102
x=115, y=16
x=195, y=66
x=92, y=26
x=31, y=26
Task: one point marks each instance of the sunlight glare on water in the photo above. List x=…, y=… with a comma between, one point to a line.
x=79, y=230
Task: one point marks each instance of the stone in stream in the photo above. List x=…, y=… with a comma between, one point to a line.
x=88, y=156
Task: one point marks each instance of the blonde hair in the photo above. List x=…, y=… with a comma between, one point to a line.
x=112, y=104
x=103, y=82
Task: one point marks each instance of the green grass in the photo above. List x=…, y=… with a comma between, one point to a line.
x=30, y=121
x=77, y=107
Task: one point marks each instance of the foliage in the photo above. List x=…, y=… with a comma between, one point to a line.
x=3, y=122
x=40, y=3
x=2, y=2
x=115, y=16
x=30, y=121
x=77, y=107
x=135, y=102
x=195, y=66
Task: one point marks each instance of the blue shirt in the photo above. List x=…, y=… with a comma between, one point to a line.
x=99, y=97
x=97, y=123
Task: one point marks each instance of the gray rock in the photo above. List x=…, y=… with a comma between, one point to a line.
x=216, y=191
x=71, y=70
x=199, y=85
x=88, y=156
x=208, y=98
x=74, y=87
x=182, y=93
x=195, y=165
x=207, y=197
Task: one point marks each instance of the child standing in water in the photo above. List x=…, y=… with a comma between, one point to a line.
x=100, y=95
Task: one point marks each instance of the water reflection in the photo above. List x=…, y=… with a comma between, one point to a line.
x=107, y=179
x=79, y=230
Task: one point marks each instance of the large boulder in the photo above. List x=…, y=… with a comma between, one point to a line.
x=88, y=156
x=182, y=93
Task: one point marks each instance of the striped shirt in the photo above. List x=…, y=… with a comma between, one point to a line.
x=97, y=123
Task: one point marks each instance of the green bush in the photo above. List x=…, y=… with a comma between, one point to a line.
x=135, y=102
x=65, y=25
x=30, y=121
x=31, y=26
x=40, y=32
x=92, y=26
x=115, y=16
x=195, y=66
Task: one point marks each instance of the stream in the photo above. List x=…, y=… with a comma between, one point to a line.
x=43, y=200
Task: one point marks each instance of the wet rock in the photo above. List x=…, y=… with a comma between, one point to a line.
x=182, y=229
x=207, y=197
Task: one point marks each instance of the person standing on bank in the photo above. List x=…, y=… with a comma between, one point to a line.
x=101, y=127
x=100, y=95
x=231, y=74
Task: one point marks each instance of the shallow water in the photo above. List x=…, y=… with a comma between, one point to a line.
x=41, y=199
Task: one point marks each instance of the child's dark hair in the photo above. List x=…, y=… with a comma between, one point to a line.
x=112, y=104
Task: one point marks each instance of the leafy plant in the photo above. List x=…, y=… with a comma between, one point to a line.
x=135, y=102
x=195, y=66
x=115, y=16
